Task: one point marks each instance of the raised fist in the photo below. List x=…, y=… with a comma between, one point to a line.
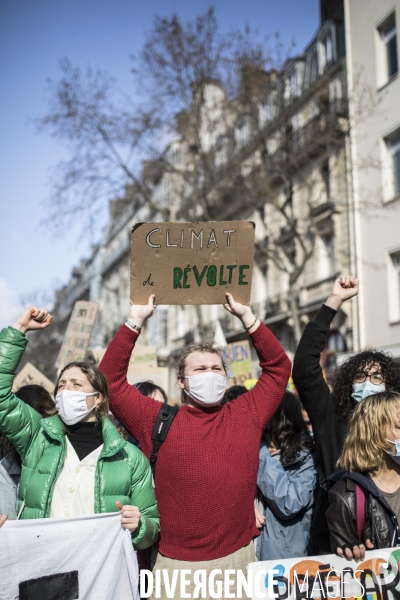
x=343, y=289
x=33, y=318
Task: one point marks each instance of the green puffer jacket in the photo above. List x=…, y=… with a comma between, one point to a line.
x=122, y=473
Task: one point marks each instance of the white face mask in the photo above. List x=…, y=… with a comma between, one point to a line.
x=206, y=388
x=396, y=457
x=72, y=407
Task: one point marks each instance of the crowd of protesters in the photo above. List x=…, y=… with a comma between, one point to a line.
x=242, y=474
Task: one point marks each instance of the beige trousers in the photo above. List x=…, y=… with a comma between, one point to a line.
x=236, y=561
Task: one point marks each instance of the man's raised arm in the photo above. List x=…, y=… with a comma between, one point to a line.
x=264, y=398
x=135, y=411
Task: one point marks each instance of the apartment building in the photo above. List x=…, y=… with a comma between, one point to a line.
x=372, y=57
x=287, y=154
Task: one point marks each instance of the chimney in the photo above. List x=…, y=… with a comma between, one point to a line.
x=329, y=8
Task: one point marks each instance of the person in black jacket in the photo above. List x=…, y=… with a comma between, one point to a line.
x=365, y=373
x=371, y=455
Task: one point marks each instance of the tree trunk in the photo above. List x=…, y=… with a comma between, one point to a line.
x=294, y=307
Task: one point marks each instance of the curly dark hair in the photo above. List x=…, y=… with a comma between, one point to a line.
x=343, y=378
x=287, y=429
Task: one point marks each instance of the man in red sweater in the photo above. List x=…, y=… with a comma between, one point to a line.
x=207, y=467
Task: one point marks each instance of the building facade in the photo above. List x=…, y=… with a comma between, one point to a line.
x=373, y=74
x=300, y=154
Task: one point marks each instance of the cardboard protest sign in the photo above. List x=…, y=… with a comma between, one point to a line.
x=158, y=375
x=79, y=330
x=328, y=576
x=237, y=357
x=29, y=375
x=144, y=356
x=192, y=263
x=90, y=556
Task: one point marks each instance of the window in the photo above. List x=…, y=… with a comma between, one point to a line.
x=326, y=52
x=386, y=56
x=393, y=273
x=327, y=256
x=242, y=133
x=221, y=151
x=325, y=176
x=294, y=88
x=335, y=94
x=389, y=38
x=175, y=155
x=395, y=152
x=267, y=112
x=391, y=166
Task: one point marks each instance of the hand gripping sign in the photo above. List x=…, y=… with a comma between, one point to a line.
x=192, y=263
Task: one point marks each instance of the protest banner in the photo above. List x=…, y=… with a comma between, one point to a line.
x=29, y=375
x=192, y=263
x=328, y=576
x=237, y=357
x=79, y=330
x=79, y=557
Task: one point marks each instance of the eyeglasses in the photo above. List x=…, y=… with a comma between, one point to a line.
x=375, y=378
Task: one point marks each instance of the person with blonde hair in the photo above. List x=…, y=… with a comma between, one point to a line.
x=75, y=462
x=364, y=509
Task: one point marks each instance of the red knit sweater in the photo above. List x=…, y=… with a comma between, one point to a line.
x=207, y=467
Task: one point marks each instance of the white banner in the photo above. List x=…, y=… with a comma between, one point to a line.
x=85, y=558
x=328, y=576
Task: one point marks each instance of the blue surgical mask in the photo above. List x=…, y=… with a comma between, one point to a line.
x=396, y=457
x=366, y=388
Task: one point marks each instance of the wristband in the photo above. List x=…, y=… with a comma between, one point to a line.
x=132, y=325
x=250, y=326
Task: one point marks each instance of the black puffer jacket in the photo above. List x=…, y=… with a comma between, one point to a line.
x=381, y=525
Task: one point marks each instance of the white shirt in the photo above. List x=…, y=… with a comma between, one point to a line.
x=73, y=493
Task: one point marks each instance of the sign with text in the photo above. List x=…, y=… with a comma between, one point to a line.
x=237, y=357
x=328, y=576
x=192, y=263
x=79, y=330
x=30, y=375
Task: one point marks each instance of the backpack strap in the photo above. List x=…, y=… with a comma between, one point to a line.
x=360, y=511
x=161, y=428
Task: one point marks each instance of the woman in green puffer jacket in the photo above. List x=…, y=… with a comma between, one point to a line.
x=75, y=462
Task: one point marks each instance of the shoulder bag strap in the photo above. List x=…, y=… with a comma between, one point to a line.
x=360, y=511
x=161, y=428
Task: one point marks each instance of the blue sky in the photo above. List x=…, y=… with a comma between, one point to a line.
x=34, y=36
